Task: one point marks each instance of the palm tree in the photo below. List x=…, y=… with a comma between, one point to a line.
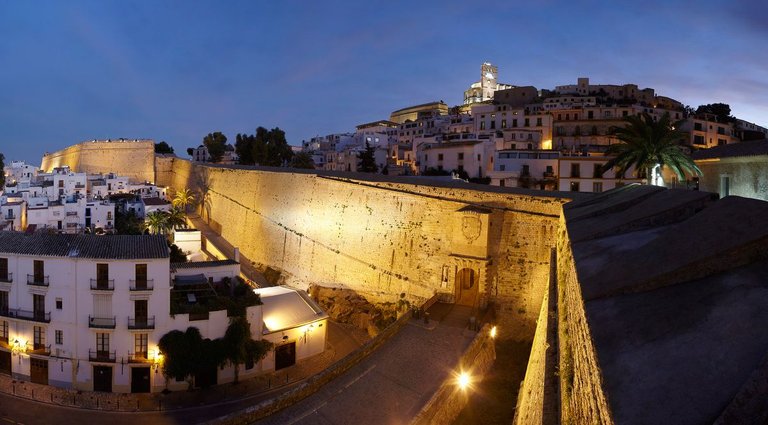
x=156, y=222
x=182, y=198
x=647, y=144
x=176, y=219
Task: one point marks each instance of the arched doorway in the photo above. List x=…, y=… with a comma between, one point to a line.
x=466, y=287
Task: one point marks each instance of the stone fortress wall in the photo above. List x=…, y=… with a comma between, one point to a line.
x=131, y=158
x=374, y=234
x=381, y=236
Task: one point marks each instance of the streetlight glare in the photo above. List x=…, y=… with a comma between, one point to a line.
x=464, y=380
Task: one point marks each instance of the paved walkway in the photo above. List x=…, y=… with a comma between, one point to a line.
x=40, y=404
x=246, y=266
x=395, y=382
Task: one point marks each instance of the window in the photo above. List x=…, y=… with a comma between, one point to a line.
x=538, y=121
x=597, y=187
x=721, y=142
x=575, y=170
x=439, y=157
x=697, y=126
x=461, y=156
x=527, y=122
x=38, y=305
x=38, y=337
x=4, y=269
x=59, y=303
x=504, y=123
x=590, y=114
x=59, y=337
x=514, y=122
x=4, y=302
x=549, y=170
x=698, y=140
x=39, y=271
x=501, y=183
x=141, y=275
x=597, y=171
x=479, y=157
x=140, y=345
x=502, y=167
x=482, y=125
x=574, y=186
x=102, y=344
x=493, y=125
x=526, y=170
x=4, y=331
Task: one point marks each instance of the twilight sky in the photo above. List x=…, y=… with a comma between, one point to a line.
x=174, y=71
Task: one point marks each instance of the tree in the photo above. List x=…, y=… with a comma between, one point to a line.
x=128, y=223
x=175, y=219
x=163, y=147
x=303, y=160
x=157, y=222
x=216, y=143
x=722, y=111
x=367, y=159
x=647, y=144
x=2, y=170
x=182, y=354
x=244, y=148
x=190, y=151
x=176, y=254
x=240, y=346
x=183, y=198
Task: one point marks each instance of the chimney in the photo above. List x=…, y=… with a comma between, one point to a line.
x=237, y=255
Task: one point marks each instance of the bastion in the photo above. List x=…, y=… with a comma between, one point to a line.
x=383, y=236
x=131, y=158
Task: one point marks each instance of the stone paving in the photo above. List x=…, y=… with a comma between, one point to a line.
x=394, y=383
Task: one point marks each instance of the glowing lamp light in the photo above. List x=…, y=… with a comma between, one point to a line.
x=464, y=380
x=493, y=332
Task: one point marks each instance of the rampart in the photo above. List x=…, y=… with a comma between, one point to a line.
x=383, y=235
x=130, y=158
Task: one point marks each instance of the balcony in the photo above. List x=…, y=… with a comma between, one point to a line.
x=138, y=358
x=38, y=280
x=71, y=213
x=103, y=284
x=34, y=316
x=40, y=349
x=142, y=285
x=101, y=356
x=8, y=278
x=141, y=323
x=102, y=322
x=10, y=217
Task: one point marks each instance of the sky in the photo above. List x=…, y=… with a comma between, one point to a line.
x=175, y=71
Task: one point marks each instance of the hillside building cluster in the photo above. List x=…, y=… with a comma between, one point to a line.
x=64, y=201
x=520, y=136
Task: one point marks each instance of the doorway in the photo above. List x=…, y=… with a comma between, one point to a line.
x=466, y=287
x=285, y=355
x=102, y=378
x=5, y=362
x=38, y=371
x=207, y=377
x=140, y=380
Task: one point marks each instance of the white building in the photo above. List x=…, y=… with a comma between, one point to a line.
x=294, y=323
x=584, y=174
x=531, y=169
x=87, y=312
x=473, y=156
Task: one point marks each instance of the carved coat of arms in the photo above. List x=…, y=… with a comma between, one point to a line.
x=470, y=227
